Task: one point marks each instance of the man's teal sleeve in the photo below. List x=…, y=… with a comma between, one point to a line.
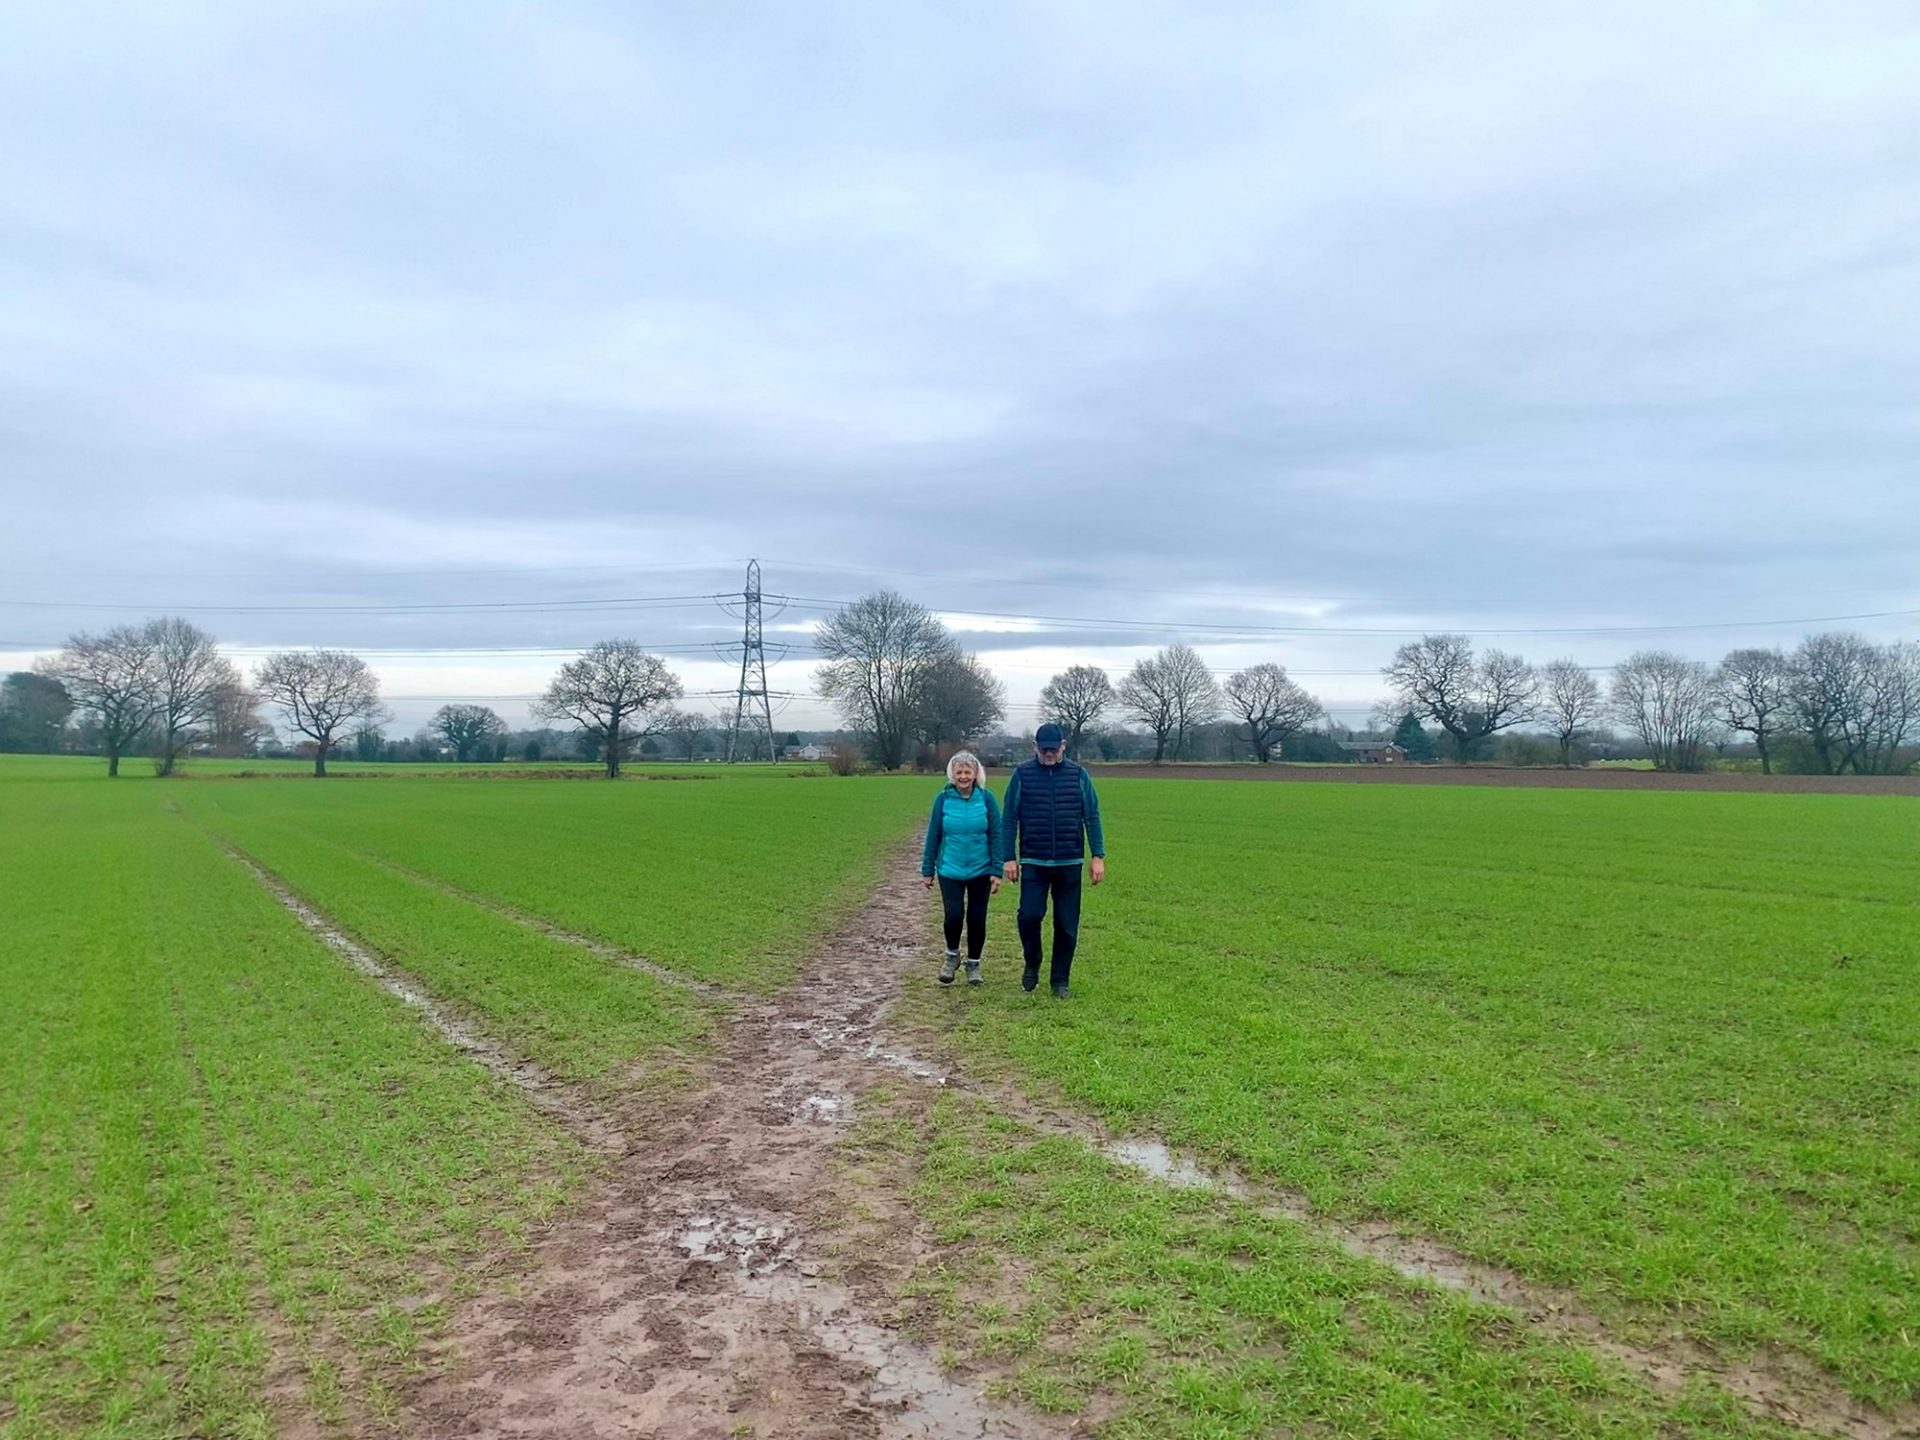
x=1010, y=820
x=1090, y=803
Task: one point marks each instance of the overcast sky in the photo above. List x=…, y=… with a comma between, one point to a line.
x=1290, y=330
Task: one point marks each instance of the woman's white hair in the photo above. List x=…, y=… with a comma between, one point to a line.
x=967, y=757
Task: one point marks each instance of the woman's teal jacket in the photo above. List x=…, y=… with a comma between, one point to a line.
x=963, y=835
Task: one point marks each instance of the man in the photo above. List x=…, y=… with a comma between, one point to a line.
x=1049, y=806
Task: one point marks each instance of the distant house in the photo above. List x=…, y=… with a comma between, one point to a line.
x=804, y=752
x=1373, y=752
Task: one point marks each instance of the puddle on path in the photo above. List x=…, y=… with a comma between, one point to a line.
x=1162, y=1164
x=757, y=1247
x=858, y=1040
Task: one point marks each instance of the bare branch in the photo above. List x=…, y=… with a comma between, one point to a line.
x=1669, y=700
x=321, y=693
x=1076, y=698
x=1271, y=706
x=615, y=692
x=114, y=678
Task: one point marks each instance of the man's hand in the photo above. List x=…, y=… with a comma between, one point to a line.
x=1098, y=868
x=927, y=880
x=1011, y=870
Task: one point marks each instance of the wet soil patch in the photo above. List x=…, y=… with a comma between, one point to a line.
x=704, y=1288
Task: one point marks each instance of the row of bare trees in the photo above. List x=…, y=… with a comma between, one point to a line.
x=1837, y=702
x=1172, y=694
x=164, y=688
x=897, y=677
x=1840, y=703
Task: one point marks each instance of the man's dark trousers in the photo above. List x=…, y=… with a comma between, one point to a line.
x=1062, y=882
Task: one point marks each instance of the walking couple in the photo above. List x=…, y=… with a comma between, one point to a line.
x=1048, y=824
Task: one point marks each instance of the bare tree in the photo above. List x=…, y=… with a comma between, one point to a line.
x=1146, y=694
x=113, y=680
x=961, y=700
x=1273, y=707
x=466, y=727
x=1892, y=715
x=322, y=694
x=881, y=652
x=1753, y=693
x=1074, y=699
x=1170, y=693
x=616, y=693
x=1831, y=679
x=192, y=676
x=234, y=725
x=1438, y=676
x=1196, y=696
x=1669, y=700
x=1570, y=702
x=684, y=730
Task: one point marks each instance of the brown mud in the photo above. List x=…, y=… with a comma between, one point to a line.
x=700, y=1291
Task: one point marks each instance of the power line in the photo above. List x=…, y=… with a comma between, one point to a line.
x=363, y=573
x=625, y=602
x=1160, y=626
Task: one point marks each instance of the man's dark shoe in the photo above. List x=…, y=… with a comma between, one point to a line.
x=1061, y=992
x=1029, y=977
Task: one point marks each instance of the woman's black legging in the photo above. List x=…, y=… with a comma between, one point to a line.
x=970, y=897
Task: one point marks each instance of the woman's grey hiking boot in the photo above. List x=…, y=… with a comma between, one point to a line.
x=973, y=972
x=950, y=967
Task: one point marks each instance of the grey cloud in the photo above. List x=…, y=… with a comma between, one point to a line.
x=1473, y=317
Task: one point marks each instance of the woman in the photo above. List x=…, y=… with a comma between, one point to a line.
x=963, y=851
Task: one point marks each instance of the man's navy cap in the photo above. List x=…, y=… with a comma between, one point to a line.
x=1049, y=736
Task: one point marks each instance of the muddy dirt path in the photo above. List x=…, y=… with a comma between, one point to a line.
x=698, y=1292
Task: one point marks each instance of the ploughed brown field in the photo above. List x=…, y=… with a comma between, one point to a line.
x=1507, y=775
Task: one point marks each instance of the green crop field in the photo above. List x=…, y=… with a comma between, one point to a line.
x=224, y=1154
x=1657, y=1050
x=1662, y=1050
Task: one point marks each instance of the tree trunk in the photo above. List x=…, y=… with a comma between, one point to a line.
x=113, y=763
x=613, y=747
x=1760, y=743
x=320, y=760
x=1159, y=745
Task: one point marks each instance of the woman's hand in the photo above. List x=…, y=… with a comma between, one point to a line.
x=994, y=888
x=927, y=880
